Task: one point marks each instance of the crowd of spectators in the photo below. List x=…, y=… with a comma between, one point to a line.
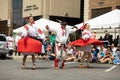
x=99, y=54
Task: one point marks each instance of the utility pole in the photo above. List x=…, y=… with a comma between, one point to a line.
x=119, y=34
x=10, y=26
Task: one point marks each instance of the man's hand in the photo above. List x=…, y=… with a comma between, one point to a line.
x=47, y=27
x=76, y=28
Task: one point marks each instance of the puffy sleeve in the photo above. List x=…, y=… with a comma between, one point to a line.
x=39, y=32
x=71, y=30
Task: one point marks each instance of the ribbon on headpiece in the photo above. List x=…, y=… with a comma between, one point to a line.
x=27, y=18
x=83, y=27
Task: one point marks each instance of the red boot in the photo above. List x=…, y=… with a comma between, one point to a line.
x=56, y=63
x=63, y=64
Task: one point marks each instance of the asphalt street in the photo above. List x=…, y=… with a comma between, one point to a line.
x=10, y=70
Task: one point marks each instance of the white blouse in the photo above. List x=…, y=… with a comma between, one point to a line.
x=32, y=31
x=86, y=34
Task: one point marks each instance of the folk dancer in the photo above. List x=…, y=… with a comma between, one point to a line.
x=86, y=43
x=86, y=35
x=30, y=44
x=62, y=34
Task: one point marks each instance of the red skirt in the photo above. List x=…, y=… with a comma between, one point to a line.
x=29, y=45
x=82, y=42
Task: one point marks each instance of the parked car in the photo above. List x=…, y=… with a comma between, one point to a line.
x=3, y=46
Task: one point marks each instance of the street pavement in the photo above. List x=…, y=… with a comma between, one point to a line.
x=10, y=70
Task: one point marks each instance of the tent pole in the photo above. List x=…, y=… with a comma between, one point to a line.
x=119, y=34
x=115, y=33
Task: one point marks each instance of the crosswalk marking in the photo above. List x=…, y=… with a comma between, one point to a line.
x=67, y=63
x=110, y=68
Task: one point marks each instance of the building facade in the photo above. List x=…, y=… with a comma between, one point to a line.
x=4, y=9
x=72, y=11
x=11, y=10
x=55, y=9
x=61, y=8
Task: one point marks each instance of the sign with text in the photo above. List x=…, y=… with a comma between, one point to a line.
x=31, y=7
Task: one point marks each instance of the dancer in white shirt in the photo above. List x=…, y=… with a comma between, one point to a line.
x=62, y=33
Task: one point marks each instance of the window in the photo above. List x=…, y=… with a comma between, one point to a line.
x=2, y=38
x=118, y=7
x=17, y=12
x=100, y=11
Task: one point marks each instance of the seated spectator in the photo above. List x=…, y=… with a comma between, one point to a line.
x=100, y=55
x=118, y=50
x=94, y=54
x=107, y=56
x=115, y=58
x=76, y=55
x=69, y=51
x=113, y=48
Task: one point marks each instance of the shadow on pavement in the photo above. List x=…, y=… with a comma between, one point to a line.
x=7, y=58
x=37, y=68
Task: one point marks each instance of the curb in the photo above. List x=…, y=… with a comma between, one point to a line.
x=28, y=57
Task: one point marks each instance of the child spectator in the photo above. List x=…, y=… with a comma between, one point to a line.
x=115, y=57
x=94, y=54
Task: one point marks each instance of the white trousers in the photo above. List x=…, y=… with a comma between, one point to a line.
x=60, y=51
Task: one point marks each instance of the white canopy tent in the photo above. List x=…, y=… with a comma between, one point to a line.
x=107, y=20
x=41, y=23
